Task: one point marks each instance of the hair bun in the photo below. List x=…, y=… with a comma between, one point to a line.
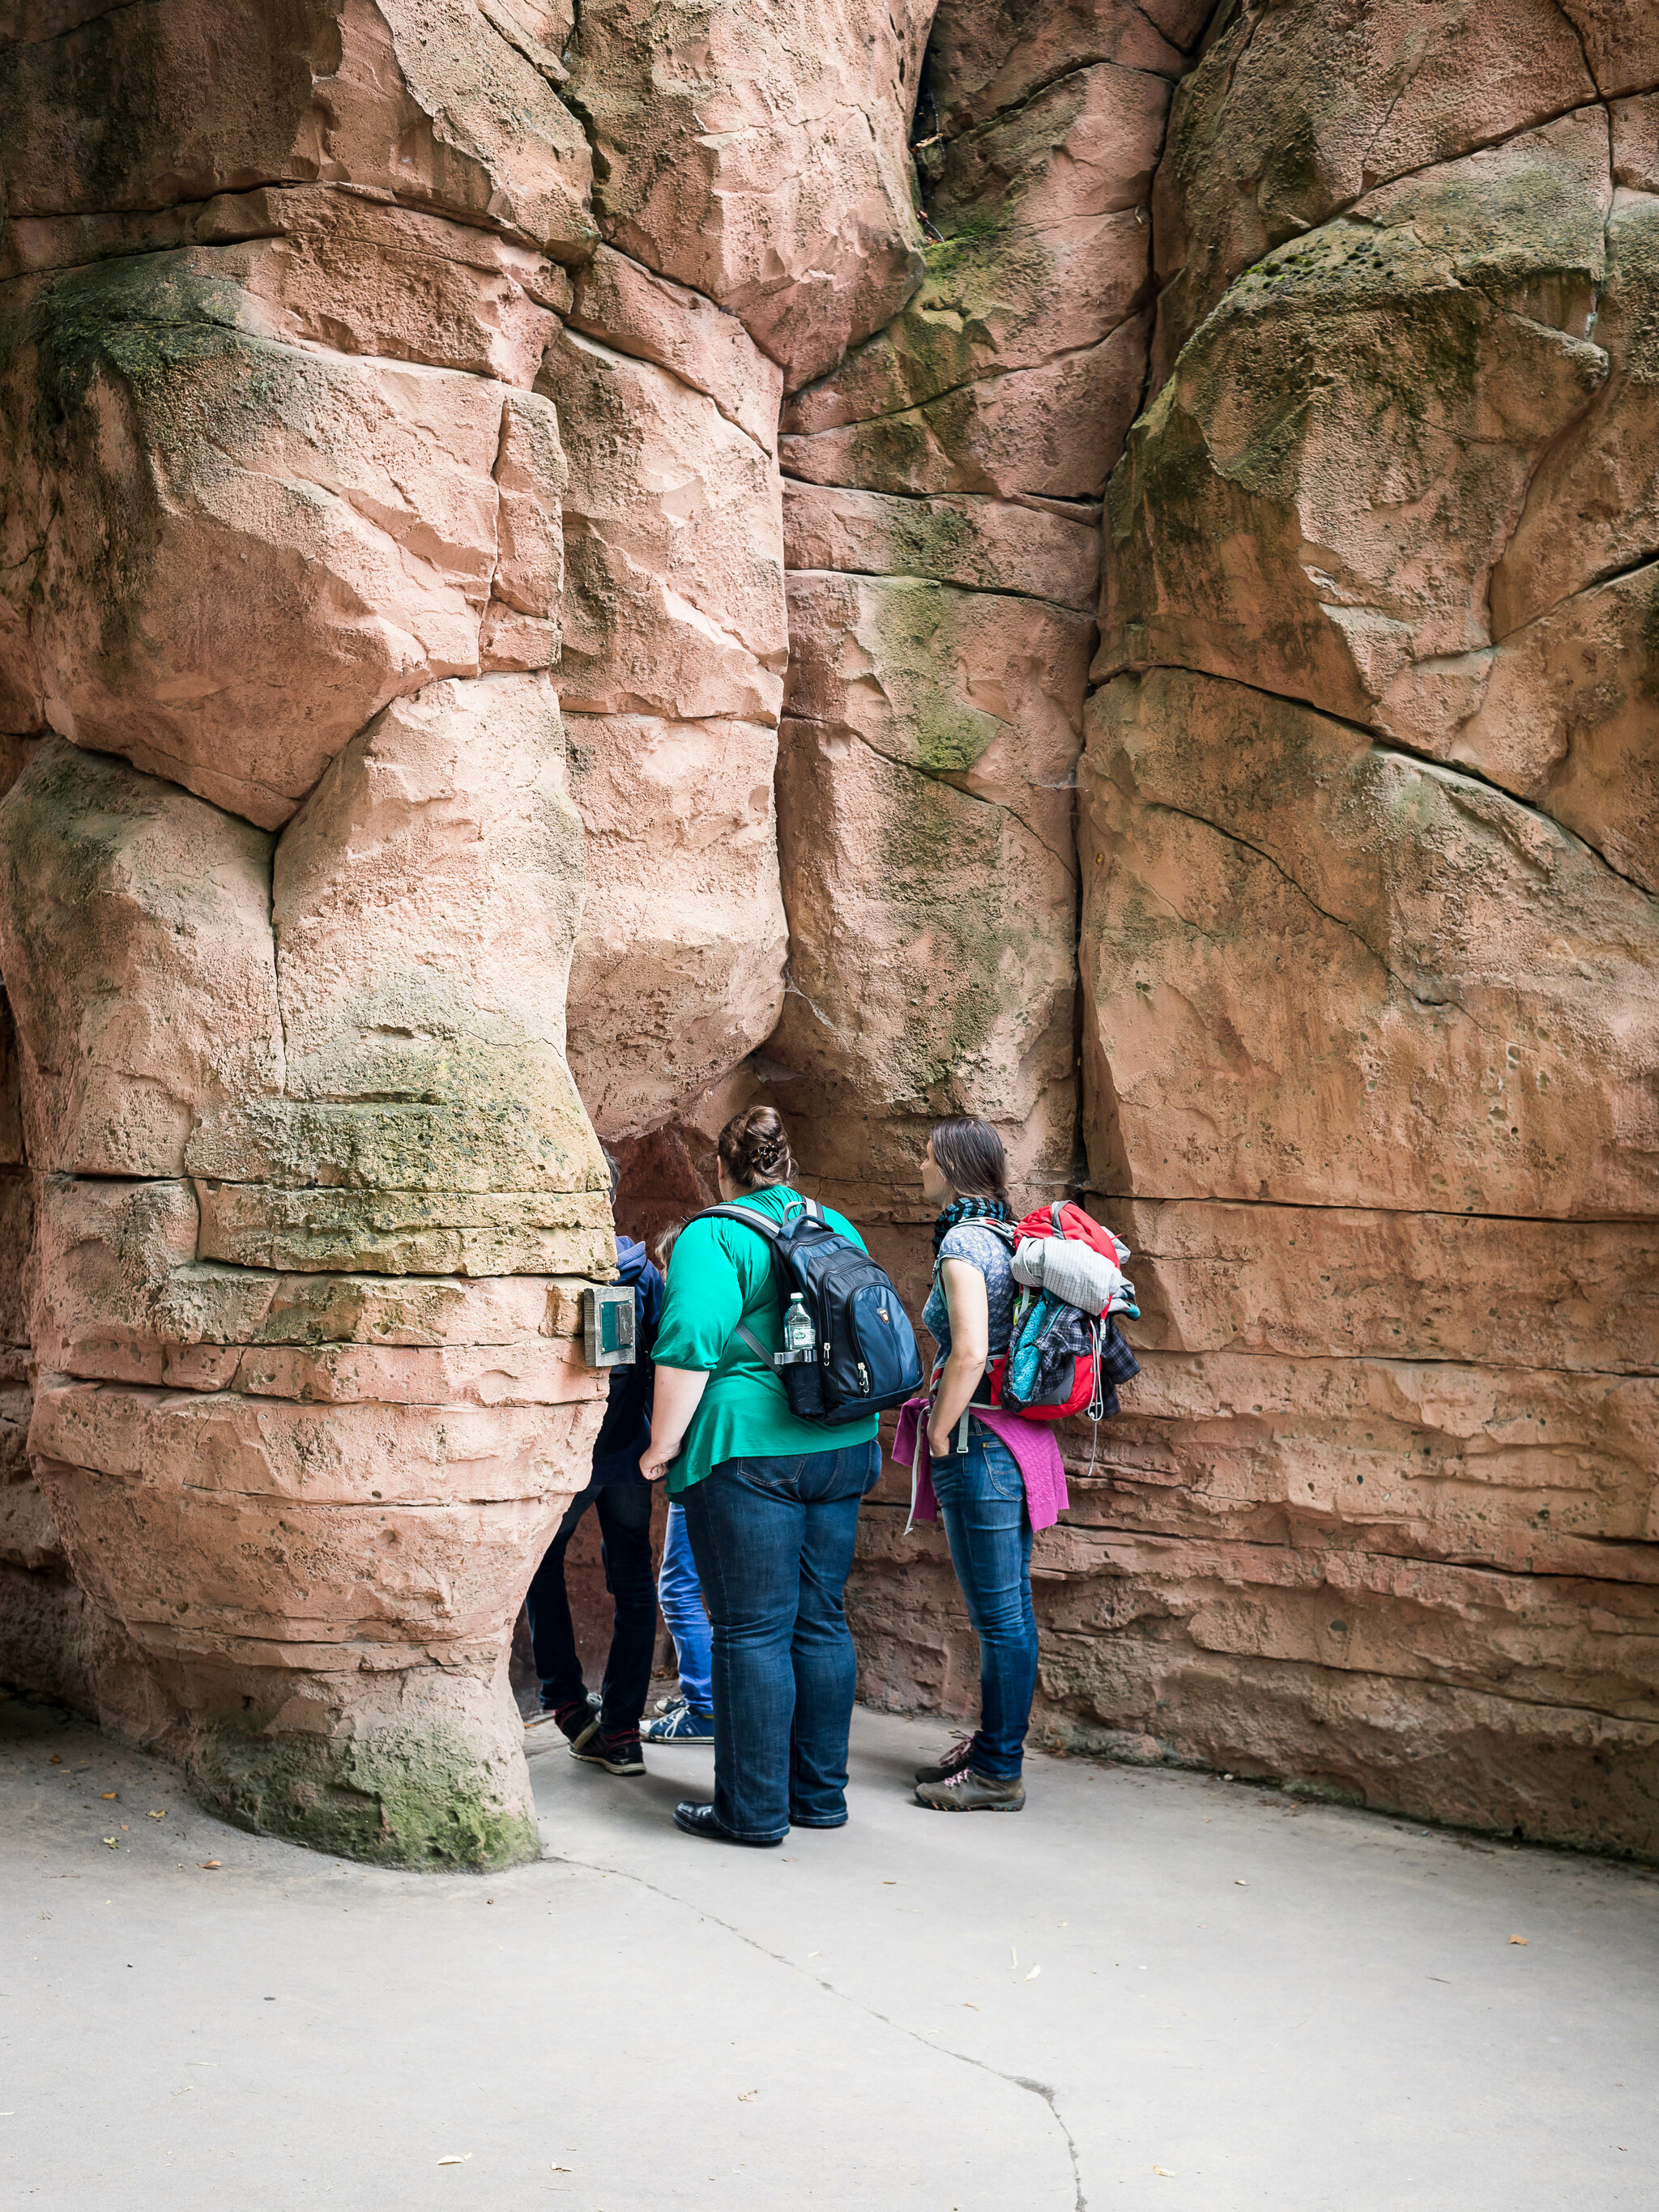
x=753, y=1147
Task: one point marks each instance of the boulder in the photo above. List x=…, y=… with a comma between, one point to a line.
x=1044, y=249
x=1054, y=431
x=678, y=969
x=634, y=312
x=333, y=266
x=925, y=829
x=425, y=902
x=758, y=156
x=674, y=571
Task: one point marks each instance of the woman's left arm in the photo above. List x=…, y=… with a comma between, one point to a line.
x=679, y=1394
x=969, y=1308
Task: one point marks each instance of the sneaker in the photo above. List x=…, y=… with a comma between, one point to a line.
x=618, y=1754
x=679, y=1724
x=968, y=1791
x=575, y=1722
x=952, y=1762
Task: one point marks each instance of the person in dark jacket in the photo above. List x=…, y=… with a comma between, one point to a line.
x=608, y=1737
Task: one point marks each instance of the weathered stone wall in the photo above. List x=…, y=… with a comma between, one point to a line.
x=290, y=882
x=1083, y=562
x=1371, y=1073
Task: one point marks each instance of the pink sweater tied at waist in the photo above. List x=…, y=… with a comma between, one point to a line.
x=1036, y=1453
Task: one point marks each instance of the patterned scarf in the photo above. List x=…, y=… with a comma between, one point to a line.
x=967, y=1209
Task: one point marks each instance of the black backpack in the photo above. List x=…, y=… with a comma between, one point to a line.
x=863, y=1357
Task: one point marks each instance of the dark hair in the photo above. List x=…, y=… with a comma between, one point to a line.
x=613, y=1169
x=753, y=1147
x=970, y=1156
x=666, y=1244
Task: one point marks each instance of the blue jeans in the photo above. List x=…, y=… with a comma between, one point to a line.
x=981, y=1501
x=680, y=1595
x=624, y=1511
x=773, y=1539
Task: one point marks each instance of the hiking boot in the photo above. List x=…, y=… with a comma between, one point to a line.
x=955, y=1759
x=968, y=1791
x=679, y=1724
x=575, y=1722
x=618, y=1754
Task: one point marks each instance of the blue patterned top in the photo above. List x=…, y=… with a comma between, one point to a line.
x=984, y=1250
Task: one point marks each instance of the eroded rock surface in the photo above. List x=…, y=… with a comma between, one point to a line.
x=551, y=573
x=1368, y=946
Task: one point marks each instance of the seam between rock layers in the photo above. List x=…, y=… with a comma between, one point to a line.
x=940, y=583
x=1407, y=1213
x=1163, y=806
x=942, y=777
x=1041, y=2089
x=1382, y=741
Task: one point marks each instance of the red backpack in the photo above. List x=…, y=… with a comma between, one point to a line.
x=1080, y=1356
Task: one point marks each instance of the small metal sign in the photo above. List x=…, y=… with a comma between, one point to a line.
x=608, y=1324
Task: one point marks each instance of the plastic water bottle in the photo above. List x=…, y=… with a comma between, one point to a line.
x=799, y=1337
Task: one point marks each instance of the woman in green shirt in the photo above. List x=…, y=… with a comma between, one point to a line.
x=771, y=1507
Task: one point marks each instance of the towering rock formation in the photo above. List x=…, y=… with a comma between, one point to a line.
x=502, y=505
x=287, y=901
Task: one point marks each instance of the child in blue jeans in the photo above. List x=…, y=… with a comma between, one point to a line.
x=688, y=1718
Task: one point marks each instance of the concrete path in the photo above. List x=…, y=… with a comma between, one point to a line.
x=1148, y=1991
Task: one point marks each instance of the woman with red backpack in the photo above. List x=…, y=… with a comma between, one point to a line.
x=995, y=1477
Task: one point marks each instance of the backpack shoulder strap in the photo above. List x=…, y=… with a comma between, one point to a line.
x=744, y=1214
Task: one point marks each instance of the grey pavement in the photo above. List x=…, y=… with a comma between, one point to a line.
x=1148, y=1991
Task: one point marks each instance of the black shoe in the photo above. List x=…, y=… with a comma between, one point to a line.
x=618, y=1754
x=699, y=1820
x=796, y=1821
x=575, y=1722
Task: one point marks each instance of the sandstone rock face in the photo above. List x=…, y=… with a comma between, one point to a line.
x=312, y=1191
x=429, y=101
x=1368, y=950
x=313, y=1504
x=758, y=156
x=942, y=536
x=552, y=566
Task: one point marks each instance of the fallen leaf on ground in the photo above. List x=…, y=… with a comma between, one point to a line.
x=107, y=1794
x=1165, y=2171
x=563, y=2169
x=815, y=1955
x=461, y=2160
x=887, y=1883
x=56, y=1759
x=1013, y=1954
x=1034, y=1971
x=206, y=1863
x=159, y=1816
x=968, y=2005
x=1237, y=1884
x=114, y=1845
x=1521, y=1940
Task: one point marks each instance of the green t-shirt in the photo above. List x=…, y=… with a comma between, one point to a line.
x=720, y=1274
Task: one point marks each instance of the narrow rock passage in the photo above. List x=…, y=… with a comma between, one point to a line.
x=1277, y=2005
